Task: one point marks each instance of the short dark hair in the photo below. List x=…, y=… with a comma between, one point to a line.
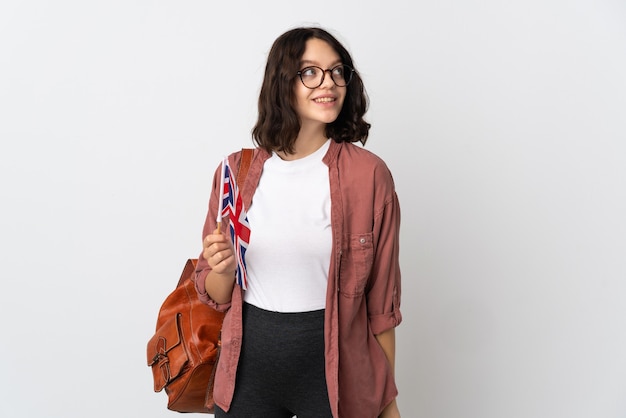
x=278, y=124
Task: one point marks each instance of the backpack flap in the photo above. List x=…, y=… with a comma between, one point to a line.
x=166, y=353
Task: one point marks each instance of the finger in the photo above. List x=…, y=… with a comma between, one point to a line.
x=213, y=238
x=221, y=260
x=210, y=248
x=224, y=264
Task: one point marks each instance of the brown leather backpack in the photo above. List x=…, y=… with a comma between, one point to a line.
x=184, y=350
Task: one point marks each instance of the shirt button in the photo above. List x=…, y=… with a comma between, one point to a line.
x=362, y=240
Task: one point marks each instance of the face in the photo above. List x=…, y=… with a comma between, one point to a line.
x=322, y=104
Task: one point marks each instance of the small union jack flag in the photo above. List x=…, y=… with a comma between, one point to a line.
x=232, y=206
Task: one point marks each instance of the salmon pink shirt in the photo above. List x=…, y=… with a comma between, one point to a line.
x=363, y=294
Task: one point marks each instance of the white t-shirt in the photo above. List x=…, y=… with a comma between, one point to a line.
x=288, y=255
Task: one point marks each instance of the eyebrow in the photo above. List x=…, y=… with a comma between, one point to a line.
x=309, y=62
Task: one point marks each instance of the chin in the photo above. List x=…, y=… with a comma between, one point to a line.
x=330, y=118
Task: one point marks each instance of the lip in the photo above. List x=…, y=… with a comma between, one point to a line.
x=332, y=98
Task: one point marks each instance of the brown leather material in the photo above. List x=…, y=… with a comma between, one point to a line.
x=244, y=165
x=184, y=350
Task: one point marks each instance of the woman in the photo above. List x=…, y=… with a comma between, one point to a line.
x=313, y=333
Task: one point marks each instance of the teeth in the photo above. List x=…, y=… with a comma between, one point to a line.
x=324, y=100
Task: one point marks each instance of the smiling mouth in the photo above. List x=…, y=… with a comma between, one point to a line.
x=324, y=100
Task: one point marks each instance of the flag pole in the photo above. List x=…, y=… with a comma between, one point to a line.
x=221, y=200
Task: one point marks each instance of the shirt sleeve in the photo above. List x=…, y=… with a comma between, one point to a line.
x=384, y=289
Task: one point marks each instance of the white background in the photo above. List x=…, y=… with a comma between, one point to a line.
x=503, y=123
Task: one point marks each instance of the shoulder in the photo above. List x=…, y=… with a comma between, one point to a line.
x=235, y=157
x=363, y=174
x=362, y=162
x=357, y=153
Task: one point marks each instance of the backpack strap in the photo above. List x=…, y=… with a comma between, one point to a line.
x=244, y=165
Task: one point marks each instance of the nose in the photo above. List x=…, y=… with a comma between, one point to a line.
x=327, y=82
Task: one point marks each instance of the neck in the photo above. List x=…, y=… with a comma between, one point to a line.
x=307, y=142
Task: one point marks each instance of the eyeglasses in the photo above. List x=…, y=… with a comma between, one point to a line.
x=312, y=77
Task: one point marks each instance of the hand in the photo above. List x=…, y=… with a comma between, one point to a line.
x=219, y=253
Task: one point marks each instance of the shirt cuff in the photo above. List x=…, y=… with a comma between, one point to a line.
x=204, y=296
x=383, y=322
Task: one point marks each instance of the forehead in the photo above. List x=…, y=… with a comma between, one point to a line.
x=318, y=51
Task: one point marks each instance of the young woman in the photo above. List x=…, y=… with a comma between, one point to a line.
x=313, y=333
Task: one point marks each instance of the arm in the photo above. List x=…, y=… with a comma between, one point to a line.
x=387, y=340
x=214, y=282
x=220, y=256
x=384, y=297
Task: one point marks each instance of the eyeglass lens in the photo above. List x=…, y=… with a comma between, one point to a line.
x=313, y=77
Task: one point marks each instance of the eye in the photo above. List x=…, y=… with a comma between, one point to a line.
x=339, y=71
x=310, y=72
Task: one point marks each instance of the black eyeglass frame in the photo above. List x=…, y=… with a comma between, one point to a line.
x=330, y=70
